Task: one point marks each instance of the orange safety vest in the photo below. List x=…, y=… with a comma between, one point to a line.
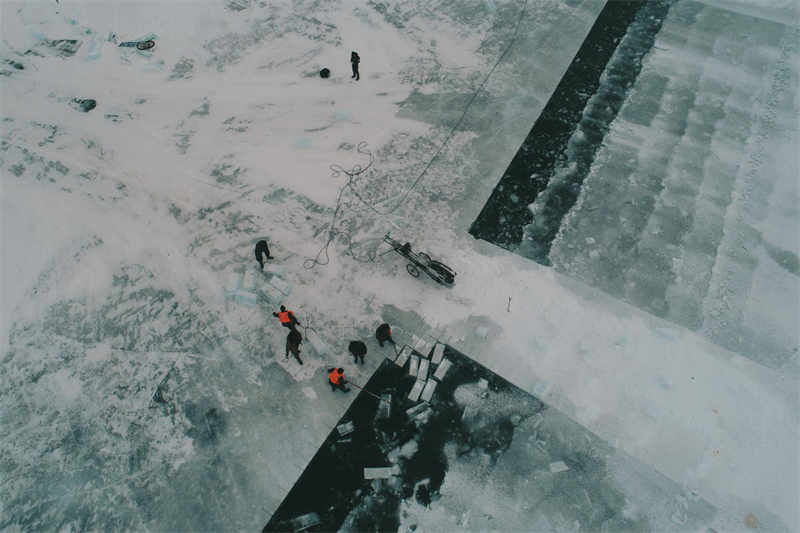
x=335, y=376
x=284, y=317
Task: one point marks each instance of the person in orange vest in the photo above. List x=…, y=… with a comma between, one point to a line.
x=336, y=379
x=293, y=341
x=384, y=334
x=287, y=318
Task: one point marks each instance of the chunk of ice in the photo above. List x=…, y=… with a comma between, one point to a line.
x=405, y=353
x=281, y=285
x=234, y=283
x=318, y=344
x=272, y=294
x=438, y=352
x=667, y=333
x=541, y=388
x=379, y=472
x=245, y=298
x=427, y=392
x=413, y=367
x=481, y=332
x=275, y=270
x=482, y=383
x=442, y=370
x=249, y=283
x=384, y=407
x=416, y=410
x=558, y=466
x=345, y=428
x=425, y=349
x=422, y=373
x=416, y=390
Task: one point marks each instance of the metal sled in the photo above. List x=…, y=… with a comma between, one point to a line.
x=421, y=262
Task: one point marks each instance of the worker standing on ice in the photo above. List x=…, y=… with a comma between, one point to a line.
x=354, y=61
x=293, y=341
x=358, y=350
x=287, y=318
x=384, y=334
x=336, y=379
x=262, y=252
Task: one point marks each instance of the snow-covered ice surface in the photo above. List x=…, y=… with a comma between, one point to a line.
x=134, y=394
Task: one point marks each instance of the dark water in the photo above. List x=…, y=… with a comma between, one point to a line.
x=333, y=484
x=573, y=108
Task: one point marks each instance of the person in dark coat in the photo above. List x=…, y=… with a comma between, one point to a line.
x=358, y=350
x=287, y=318
x=384, y=334
x=354, y=61
x=336, y=379
x=293, y=341
x=262, y=250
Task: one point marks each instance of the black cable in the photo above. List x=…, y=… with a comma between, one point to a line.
x=356, y=170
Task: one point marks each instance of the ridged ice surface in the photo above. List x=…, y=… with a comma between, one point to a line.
x=689, y=209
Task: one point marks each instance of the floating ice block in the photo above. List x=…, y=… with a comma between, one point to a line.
x=345, y=428
x=416, y=390
x=379, y=473
x=281, y=285
x=403, y=357
x=234, y=283
x=384, y=407
x=246, y=298
x=427, y=392
x=438, y=352
x=413, y=366
x=304, y=522
x=413, y=412
x=481, y=332
x=275, y=270
x=422, y=373
x=442, y=370
x=249, y=283
x=272, y=294
x=558, y=466
x=318, y=344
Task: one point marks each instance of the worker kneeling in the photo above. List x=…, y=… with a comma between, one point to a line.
x=336, y=379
